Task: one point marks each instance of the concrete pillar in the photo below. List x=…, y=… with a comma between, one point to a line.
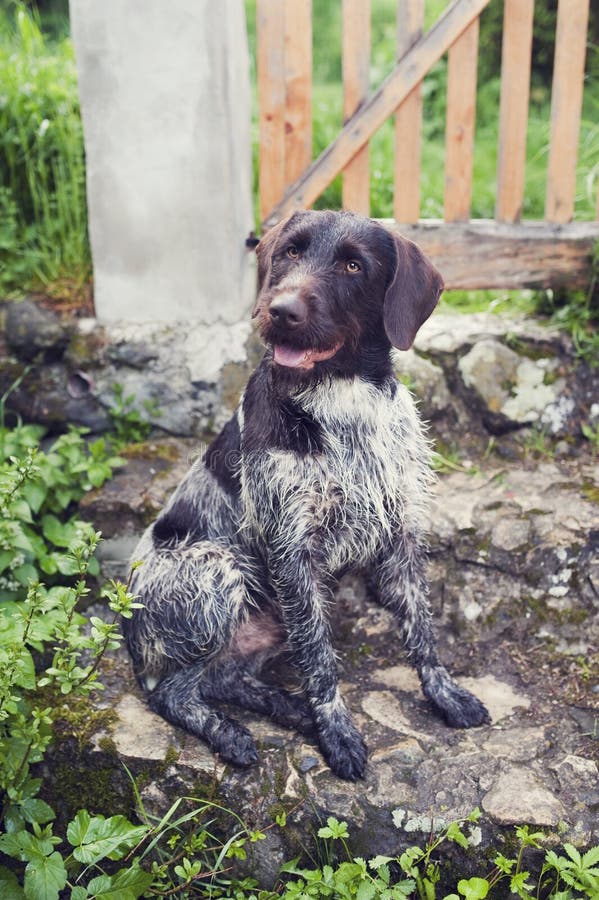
x=165, y=100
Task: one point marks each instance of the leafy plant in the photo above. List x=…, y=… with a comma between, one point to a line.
x=128, y=424
x=37, y=522
x=47, y=620
x=591, y=433
x=46, y=623
x=416, y=872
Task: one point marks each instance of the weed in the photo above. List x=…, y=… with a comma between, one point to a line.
x=421, y=873
x=591, y=433
x=448, y=459
x=129, y=426
x=536, y=443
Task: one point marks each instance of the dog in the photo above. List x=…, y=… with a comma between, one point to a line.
x=322, y=469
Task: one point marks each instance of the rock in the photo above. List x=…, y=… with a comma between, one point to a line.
x=425, y=379
x=518, y=797
x=140, y=733
x=46, y=396
x=31, y=329
x=448, y=332
x=514, y=389
x=500, y=698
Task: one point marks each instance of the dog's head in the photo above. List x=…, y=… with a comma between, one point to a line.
x=330, y=282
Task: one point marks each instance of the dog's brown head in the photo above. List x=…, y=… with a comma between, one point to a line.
x=332, y=282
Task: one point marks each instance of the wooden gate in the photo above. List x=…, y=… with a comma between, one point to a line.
x=500, y=253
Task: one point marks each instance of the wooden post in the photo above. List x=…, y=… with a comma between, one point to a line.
x=408, y=120
x=298, y=88
x=356, y=85
x=513, y=109
x=461, y=113
x=270, y=31
x=566, y=105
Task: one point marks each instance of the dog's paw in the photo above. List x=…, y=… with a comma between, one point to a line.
x=234, y=744
x=345, y=751
x=458, y=707
x=292, y=711
x=465, y=710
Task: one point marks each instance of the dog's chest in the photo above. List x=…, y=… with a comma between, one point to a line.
x=367, y=483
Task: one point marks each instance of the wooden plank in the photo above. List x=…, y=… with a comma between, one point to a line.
x=298, y=88
x=270, y=33
x=408, y=120
x=394, y=89
x=566, y=106
x=356, y=86
x=484, y=254
x=459, y=126
x=513, y=108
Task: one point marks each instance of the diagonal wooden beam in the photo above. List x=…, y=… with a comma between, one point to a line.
x=408, y=72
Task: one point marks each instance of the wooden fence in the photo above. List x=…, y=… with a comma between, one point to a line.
x=504, y=252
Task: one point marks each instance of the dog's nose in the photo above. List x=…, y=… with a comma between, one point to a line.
x=288, y=310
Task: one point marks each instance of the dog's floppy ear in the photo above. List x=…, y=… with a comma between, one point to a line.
x=264, y=251
x=412, y=294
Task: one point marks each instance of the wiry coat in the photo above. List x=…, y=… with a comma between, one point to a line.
x=322, y=469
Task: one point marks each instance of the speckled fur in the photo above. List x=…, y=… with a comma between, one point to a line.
x=318, y=472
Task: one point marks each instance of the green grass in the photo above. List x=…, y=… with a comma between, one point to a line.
x=43, y=214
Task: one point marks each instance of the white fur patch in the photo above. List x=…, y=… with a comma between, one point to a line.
x=370, y=481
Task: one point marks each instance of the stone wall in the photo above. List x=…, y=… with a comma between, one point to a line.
x=477, y=377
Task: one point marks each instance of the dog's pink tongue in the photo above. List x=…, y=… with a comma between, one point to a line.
x=288, y=356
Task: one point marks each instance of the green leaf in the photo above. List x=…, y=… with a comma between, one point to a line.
x=97, y=838
x=6, y=557
x=98, y=473
x=473, y=888
x=45, y=876
x=36, y=810
x=55, y=531
x=128, y=884
x=79, y=893
x=366, y=890
x=591, y=857
x=15, y=843
x=378, y=861
x=19, y=509
x=48, y=564
x=519, y=886
x=333, y=829
x=25, y=674
x=65, y=564
x=9, y=886
x=13, y=820
x=455, y=834
x=573, y=854
x=25, y=573
x=503, y=864
x=35, y=492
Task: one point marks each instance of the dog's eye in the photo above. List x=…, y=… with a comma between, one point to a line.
x=352, y=266
x=292, y=252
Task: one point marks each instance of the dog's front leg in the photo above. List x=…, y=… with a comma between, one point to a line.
x=402, y=588
x=303, y=597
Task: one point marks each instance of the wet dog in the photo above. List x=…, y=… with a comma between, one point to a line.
x=322, y=469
